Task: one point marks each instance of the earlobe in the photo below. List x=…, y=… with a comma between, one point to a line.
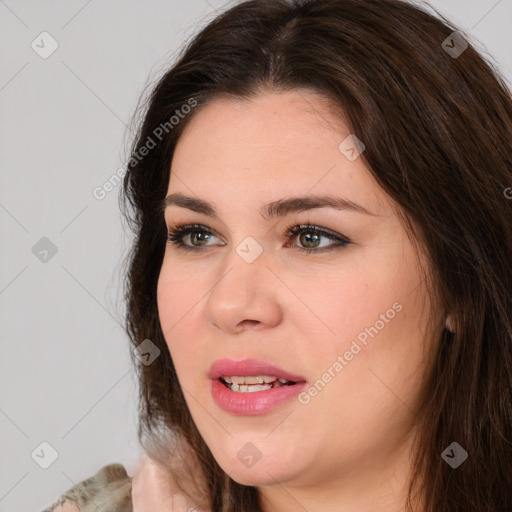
x=449, y=324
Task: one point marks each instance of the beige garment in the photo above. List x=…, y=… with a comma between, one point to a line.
x=109, y=490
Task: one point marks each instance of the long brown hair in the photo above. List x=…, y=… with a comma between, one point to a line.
x=436, y=120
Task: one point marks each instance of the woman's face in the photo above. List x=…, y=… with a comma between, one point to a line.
x=348, y=322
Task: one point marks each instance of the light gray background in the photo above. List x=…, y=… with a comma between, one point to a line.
x=65, y=370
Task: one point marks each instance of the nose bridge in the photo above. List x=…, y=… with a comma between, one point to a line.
x=244, y=290
x=245, y=268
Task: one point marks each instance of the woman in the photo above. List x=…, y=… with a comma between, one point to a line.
x=320, y=288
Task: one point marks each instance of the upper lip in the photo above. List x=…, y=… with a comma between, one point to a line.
x=249, y=367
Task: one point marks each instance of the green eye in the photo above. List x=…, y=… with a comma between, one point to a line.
x=308, y=235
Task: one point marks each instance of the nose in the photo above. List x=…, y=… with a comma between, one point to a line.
x=245, y=296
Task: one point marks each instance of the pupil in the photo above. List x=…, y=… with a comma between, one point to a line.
x=306, y=236
x=199, y=234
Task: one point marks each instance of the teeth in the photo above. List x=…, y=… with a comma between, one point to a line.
x=251, y=384
x=254, y=387
x=257, y=379
x=254, y=380
x=249, y=388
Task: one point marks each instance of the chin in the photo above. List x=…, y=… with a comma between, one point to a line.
x=262, y=476
x=256, y=472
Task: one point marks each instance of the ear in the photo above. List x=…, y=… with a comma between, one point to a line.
x=449, y=324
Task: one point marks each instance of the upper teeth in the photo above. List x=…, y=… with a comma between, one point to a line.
x=258, y=379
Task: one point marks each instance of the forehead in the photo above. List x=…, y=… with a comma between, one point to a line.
x=270, y=122
x=275, y=144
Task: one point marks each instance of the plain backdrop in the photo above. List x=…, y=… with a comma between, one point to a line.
x=65, y=375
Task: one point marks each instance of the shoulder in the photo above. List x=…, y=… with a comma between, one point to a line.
x=109, y=490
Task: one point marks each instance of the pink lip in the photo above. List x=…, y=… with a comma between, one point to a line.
x=257, y=402
x=247, y=367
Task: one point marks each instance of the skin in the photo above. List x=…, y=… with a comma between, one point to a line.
x=152, y=490
x=349, y=448
x=67, y=506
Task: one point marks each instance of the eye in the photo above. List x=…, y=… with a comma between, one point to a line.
x=177, y=234
x=309, y=235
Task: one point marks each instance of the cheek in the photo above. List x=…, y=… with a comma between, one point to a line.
x=179, y=294
x=339, y=304
x=382, y=367
x=373, y=313
x=178, y=303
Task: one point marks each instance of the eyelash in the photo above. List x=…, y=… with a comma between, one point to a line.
x=176, y=234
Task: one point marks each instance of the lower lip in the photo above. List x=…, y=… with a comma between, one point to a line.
x=255, y=402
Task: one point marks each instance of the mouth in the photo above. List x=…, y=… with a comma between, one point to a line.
x=251, y=372
x=252, y=384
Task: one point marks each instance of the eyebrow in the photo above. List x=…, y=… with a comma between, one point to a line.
x=274, y=209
